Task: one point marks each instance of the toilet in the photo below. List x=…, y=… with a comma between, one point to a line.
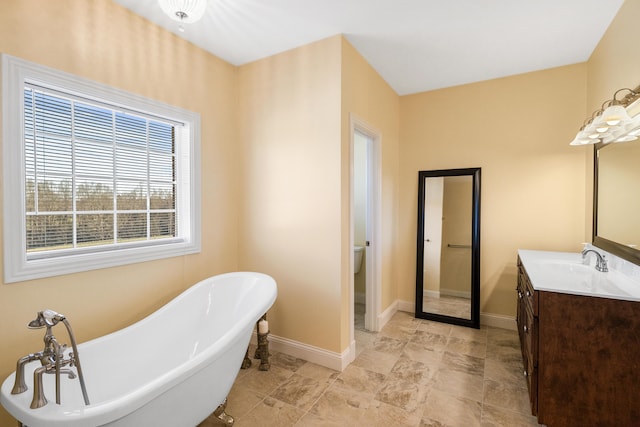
x=358, y=251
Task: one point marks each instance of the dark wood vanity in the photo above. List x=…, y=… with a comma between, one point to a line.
x=581, y=356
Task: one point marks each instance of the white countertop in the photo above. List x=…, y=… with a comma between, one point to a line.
x=565, y=272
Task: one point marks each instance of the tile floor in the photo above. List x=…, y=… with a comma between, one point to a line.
x=413, y=373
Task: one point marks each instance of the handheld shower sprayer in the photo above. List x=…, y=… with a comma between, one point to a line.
x=52, y=317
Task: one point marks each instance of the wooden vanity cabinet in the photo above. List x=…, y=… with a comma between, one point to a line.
x=581, y=357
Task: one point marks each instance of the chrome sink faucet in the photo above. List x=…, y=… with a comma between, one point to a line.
x=601, y=262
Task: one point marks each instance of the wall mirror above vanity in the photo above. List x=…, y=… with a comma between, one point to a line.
x=448, y=251
x=616, y=199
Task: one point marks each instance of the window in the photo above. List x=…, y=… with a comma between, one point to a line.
x=93, y=177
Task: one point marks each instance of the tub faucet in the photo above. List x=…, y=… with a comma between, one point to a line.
x=52, y=359
x=601, y=262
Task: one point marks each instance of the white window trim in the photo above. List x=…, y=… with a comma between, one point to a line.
x=17, y=268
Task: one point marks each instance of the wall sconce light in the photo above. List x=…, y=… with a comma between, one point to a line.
x=612, y=122
x=184, y=11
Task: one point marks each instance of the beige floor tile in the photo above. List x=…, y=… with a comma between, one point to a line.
x=299, y=391
x=287, y=362
x=398, y=331
x=470, y=334
x=270, y=413
x=511, y=372
x=360, y=380
x=462, y=346
x=376, y=361
x=312, y=420
x=437, y=328
x=264, y=381
x=364, y=340
x=423, y=353
x=389, y=345
x=380, y=414
x=443, y=409
x=242, y=400
x=504, y=348
x=403, y=394
x=413, y=371
x=460, y=384
x=311, y=370
x=430, y=340
x=339, y=405
x=498, y=417
x=507, y=395
x=463, y=363
x=404, y=319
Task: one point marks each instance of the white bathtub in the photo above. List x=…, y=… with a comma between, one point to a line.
x=172, y=368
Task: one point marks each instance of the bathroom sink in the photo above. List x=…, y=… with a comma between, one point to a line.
x=565, y=266
x=565, y=272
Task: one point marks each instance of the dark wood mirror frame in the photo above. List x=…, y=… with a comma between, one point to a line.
x=615, y=248
x=474, y=321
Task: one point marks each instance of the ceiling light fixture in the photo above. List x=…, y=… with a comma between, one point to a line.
x=612, y=122
x=184, y=11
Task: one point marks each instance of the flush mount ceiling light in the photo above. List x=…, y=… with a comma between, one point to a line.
x=184, y=11
x=612, y=122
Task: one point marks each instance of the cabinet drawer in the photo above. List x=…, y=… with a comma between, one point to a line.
x=525, y=289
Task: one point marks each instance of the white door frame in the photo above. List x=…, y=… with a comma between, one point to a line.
x=373, y=252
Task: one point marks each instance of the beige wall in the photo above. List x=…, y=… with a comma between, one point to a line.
x=102, y=41
x=517, y=129
x=615, y=62
x=290, y=182
x=295, y=180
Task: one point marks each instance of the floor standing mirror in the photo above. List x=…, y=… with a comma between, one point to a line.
x=448, y=261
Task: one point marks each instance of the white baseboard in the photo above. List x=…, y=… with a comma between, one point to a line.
x=385, y=316
x=454, y=293
x=317, y=355
x=486, y=319
x=360, y=297
x=498, y=321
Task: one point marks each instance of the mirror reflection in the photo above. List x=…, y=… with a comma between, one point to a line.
x=618, y=201
x=447, y=287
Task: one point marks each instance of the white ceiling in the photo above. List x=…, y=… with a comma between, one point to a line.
x=415, y=45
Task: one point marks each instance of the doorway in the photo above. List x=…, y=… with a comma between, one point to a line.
x=365, y=226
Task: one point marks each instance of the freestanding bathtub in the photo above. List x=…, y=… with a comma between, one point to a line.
x=172, y=368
